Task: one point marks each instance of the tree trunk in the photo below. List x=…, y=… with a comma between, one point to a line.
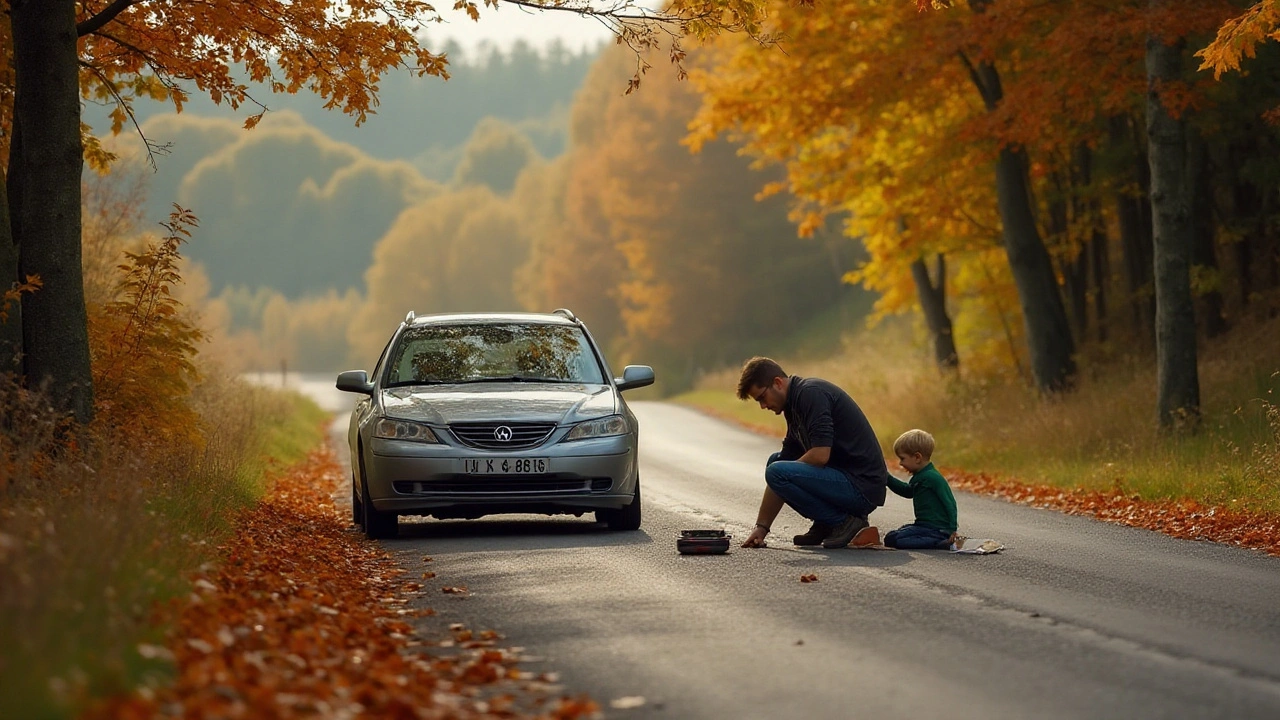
x=11, y=327
x=48, y=165
x=933, y=301
x=1063, y=208
x=1210, y=315
x=1245, y=209
x=1093, y=253
x=1044, y=317
x=1101, y=268
x=1133, y=212
x=1178, y=384
x=1048, y=331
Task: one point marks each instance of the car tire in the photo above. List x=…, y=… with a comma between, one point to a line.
x=624, y=518
x=377, y=525
x=357, y=507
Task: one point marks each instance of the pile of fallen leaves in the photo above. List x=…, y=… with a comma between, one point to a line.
x=306, y=618
x=1179, y=518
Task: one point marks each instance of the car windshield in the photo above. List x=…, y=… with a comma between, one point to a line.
x=492, y=352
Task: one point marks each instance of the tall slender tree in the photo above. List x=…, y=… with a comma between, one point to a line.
x=1173, y=226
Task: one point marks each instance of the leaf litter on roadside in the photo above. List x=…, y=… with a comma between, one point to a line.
x=1180, y=518
x=306, y=618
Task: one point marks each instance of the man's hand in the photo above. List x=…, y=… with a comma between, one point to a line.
x=756, y=538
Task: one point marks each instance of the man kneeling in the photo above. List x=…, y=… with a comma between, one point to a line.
x=830, y=469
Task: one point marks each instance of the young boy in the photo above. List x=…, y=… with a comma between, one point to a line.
x=935, y=506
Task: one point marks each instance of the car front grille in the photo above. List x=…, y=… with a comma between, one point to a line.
x=490, y=435
x=481, y=485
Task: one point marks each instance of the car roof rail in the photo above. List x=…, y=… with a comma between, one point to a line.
x=565, y=312
x=408, y=319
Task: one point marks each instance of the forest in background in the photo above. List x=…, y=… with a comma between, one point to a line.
x=302, y=200
x=952, y=145
x=319, y=248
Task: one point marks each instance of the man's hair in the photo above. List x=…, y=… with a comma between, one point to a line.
x=758, y=372
x=912, y=442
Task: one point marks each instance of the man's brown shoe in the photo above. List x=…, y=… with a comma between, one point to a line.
x=816, y=534
x=844, y=532
x=866, y=537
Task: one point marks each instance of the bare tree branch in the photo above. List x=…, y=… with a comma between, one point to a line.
x=108, y=14
x=153, y=149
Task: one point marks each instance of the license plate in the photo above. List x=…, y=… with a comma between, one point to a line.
x=505, y=466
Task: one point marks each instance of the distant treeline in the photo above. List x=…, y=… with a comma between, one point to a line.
x=310, y=250
x=297, y=204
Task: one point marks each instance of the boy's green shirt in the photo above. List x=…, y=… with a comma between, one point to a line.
x=931, y=497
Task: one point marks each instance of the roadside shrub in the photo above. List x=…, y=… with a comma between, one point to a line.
x=143, y=346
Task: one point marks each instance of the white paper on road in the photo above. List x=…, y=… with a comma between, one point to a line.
x=977, y=546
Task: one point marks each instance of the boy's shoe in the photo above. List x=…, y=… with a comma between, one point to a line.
x=844, y=532
x=816, y=534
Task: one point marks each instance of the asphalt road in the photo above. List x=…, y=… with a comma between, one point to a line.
x=1075, y=619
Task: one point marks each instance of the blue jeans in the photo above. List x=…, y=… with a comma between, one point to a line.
x=821, y=494
x=917, y=537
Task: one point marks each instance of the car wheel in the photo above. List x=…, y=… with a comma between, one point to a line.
x=357, y=509
x=625, y=518
x=377, y=525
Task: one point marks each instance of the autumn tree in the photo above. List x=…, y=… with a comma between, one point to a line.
x=494, y=156
x=858, y=63
x=126, y=49
x=1058, y=113
x=668, y=253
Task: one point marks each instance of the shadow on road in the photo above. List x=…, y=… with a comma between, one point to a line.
x=522, y=533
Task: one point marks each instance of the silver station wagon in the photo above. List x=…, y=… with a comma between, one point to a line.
x=481, y=413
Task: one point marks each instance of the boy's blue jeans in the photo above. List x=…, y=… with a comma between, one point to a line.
x=822, y=494
x=917, y=537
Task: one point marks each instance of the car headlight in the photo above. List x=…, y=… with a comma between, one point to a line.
x=403, y=430
x=612, y=425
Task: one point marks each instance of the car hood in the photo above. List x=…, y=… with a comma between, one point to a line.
x=505, y=402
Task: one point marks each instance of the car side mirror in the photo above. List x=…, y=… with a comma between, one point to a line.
x=635, y=376
x=355, y=381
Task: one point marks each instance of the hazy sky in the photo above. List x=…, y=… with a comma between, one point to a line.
x=505, y=24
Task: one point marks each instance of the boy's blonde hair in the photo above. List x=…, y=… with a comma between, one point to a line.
x=912, y=442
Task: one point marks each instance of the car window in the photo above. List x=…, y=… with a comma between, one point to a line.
x=492, y=351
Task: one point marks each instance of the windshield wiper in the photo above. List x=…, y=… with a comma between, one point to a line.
x=503, y=378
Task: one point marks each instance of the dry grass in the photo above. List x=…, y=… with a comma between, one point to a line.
x=94, y=535
x=1101, y=436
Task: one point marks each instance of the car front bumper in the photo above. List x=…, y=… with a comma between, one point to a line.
x=431, y=479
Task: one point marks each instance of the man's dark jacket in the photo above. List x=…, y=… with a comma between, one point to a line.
x=820, y=414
